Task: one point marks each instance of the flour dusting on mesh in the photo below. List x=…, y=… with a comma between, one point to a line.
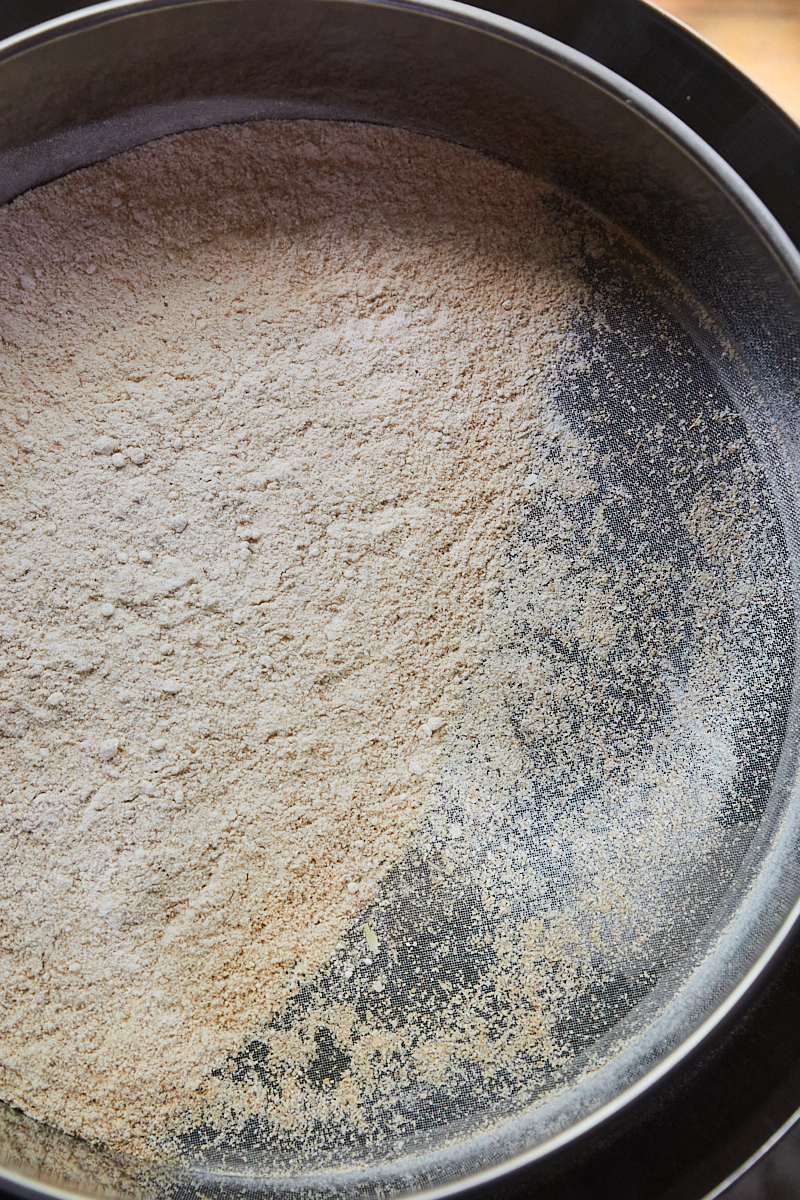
x=383, y=712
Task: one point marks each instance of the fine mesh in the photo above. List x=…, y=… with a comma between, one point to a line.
x=592, y=876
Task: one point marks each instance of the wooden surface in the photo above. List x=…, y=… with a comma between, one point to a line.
x=761, y=36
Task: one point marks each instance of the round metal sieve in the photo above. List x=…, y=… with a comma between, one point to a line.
x=598, y=909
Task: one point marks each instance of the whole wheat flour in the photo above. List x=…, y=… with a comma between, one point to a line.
x=268, y=395
x=391, y=600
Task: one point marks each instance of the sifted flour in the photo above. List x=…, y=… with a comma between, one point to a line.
x=391, y=599
x=268, y=394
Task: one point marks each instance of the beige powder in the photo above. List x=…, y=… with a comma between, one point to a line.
x=268, y=394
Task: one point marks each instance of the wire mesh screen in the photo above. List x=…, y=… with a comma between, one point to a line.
x=592, y=833
x=605, y=817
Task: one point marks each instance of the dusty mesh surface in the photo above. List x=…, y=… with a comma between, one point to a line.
x=604, y=762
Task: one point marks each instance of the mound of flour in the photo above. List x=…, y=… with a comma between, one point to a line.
x=268, y=400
